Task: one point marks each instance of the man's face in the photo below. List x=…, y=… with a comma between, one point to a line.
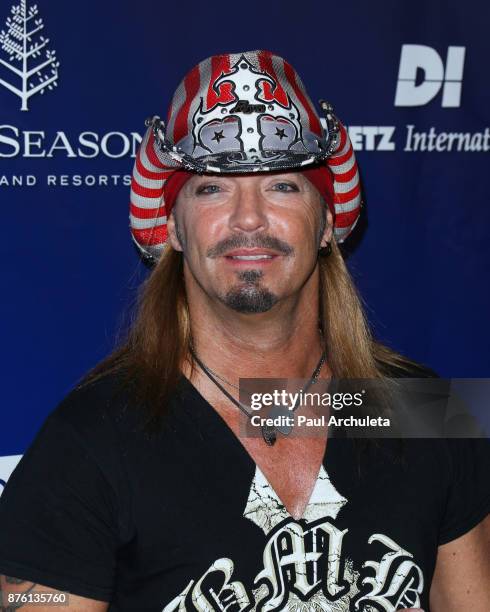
x=250, y=241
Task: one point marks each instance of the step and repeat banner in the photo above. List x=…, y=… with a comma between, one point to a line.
x=78, y=79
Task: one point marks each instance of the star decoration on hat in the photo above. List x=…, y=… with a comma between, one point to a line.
x=218, y=136
x=280, y=133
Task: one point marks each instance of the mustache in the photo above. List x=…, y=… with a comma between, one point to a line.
x=265, y=241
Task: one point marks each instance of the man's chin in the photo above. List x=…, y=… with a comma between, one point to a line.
x=250, y=300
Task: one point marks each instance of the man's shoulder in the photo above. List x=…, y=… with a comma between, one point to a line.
x=94, y=404
x=110, y=400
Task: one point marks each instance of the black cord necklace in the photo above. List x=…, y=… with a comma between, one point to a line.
x=268, y=431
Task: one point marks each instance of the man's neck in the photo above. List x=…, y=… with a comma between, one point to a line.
x=283, y=342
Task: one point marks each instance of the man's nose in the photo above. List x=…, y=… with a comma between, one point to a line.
x=249, y=210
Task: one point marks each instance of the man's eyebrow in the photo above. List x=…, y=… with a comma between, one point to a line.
x=209, y=177
x=266, y=176
x=288, y=175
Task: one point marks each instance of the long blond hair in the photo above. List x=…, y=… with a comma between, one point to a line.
x=150, y=356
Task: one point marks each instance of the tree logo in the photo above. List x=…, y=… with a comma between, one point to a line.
x=23, y=45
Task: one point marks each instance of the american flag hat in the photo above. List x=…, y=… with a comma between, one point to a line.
x=239, y=113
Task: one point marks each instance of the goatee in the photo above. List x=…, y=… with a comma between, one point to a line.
x=250, y=297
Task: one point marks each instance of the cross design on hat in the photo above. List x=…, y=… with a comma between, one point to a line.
x=242, y=118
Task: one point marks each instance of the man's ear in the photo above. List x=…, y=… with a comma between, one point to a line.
x=328, y=232
x=173, y=233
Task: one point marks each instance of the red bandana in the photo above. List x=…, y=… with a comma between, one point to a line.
x=321, y=177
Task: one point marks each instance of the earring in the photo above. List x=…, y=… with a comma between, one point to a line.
x=325, y=251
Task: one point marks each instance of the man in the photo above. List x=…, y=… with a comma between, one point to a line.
x=140, y=493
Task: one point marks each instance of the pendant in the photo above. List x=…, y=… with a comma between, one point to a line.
x=269, y=434
x=285, y=418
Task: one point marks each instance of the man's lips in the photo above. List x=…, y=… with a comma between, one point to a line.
x=251, y=255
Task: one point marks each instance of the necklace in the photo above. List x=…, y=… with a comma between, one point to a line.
x=216, y=375
x=268, y=431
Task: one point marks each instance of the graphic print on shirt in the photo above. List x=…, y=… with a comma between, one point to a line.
x=304, y=568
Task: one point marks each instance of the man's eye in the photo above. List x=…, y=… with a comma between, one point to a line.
x=285, y=187
x=211, y=188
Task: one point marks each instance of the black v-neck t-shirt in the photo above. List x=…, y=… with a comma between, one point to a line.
x=184, y=520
